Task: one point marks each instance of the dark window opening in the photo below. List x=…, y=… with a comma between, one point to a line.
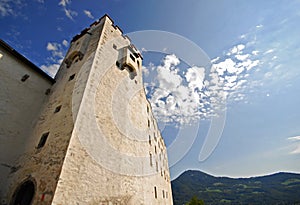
x=155, y=192
x=149, y=139
x=71, y=77
x=24, y=194
x=43, y=140
x=114, y=46
x=138, y=62
x=48, y=91
x=150, y=159
x=148, y=123
x=163, y=193
x=57, y=109
x=147, y=109
x=25, y=77
x=117, y=64
x=132, y=57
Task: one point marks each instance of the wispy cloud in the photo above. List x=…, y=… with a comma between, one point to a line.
x=88, y=14
x=68, y=12
x=296, y=144
x=9, y=7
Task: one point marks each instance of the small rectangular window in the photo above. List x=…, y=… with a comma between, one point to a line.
x=71, y=77
x=163, y=193
x=57, y=109
x=155, y=192
x=43, y=140
x=25, y=77
x=132, y=57
x=149, y=140
x=150, y=159
x=156, y=167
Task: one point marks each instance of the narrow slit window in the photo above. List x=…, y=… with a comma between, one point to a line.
x=132, y=57
x=43, y=140
x=57, y=109
x=149, y=139
x=25, y=77
x=155, y=192
x=71, y=77
x=150, y=159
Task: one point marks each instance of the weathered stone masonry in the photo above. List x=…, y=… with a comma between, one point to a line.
x=94, y=140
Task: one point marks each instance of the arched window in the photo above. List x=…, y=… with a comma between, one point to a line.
x=24, y=193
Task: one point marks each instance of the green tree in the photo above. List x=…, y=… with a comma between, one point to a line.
x=195, y=201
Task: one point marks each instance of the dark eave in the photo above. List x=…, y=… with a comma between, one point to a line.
x=25, y=60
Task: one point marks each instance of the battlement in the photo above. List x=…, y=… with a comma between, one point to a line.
x=96, y=23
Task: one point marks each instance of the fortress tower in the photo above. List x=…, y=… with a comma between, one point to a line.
x=88, y=138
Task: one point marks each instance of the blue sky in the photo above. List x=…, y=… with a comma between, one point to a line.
x=240, y=113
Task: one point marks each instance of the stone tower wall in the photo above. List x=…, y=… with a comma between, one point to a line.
x=115, y=135
x=96, y=140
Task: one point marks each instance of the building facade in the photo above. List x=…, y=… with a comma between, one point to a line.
x=86, y=137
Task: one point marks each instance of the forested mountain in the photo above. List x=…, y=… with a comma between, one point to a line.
x=280, y=188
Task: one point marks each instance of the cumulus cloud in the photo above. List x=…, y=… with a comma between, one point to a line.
x=175, y=96
x=51, y=69
x=197, y=93
x=57, y=51
x=88, y=14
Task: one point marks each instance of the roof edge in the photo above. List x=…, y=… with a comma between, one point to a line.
x=19, y=56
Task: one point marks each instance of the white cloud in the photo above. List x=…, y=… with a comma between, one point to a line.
x=65, y=43
x=296, y=144
x=296, y=138
x=57, y=54
x=9, y=7
x=269, y=51
x=64, y=3
x=176, y=96
x=242, y=57
x=52, y=47
x=68, y=12
x=237, y=49
x=50, y=69
x=88, y=14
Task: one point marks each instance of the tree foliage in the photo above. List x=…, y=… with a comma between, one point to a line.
x=195, y=201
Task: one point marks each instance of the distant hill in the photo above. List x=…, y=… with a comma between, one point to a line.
x=280, y=189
